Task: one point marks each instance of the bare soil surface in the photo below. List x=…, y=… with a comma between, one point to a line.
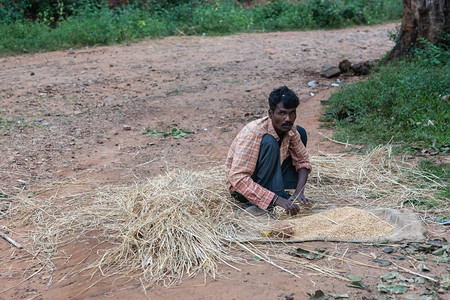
x=81, y=115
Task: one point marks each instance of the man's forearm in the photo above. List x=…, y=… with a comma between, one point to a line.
x=302, y=178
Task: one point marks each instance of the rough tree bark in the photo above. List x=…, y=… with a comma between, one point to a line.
x=421, y=18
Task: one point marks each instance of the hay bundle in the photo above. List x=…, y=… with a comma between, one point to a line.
x=172, y=225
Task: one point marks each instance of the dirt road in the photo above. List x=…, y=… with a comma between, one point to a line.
x=82, y=114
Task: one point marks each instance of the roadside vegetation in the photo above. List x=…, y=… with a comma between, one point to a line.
x=34, y=26
x=405, y=103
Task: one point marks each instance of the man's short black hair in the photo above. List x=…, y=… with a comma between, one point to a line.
x=285, y=95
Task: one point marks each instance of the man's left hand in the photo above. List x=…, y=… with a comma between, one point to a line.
x=301, y=199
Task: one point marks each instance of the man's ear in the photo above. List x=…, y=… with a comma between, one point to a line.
x=270, y=113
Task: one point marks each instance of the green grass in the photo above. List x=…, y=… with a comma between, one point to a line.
x=403, y=103
x=92, y=22
x=438, y=175
x=440, y=172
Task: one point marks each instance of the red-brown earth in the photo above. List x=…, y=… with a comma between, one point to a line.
x=80, y=114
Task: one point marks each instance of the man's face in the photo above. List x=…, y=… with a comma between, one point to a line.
x=282, y=118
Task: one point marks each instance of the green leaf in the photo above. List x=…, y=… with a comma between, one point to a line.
x=423, y=268
x=382, y=262
x=257, y=258
x=305, y=253
x=443, y=259
x=445, y=282
x=428, y=292
x=357, y=284
x=440, y=251
x=318, y=295
x=153, y=133
x=419, y=280
x=392, y=289
x=389, y=250
x=389, y=276
x=316, y=254
x=320, y=252
x=380, y=244
x=354, y=277
x=395, y=275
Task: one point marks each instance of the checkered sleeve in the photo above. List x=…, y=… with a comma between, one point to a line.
x=244, y=154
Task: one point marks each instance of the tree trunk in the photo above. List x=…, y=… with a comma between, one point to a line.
x=421, y=18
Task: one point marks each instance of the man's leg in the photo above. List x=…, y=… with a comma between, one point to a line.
x=268, y=172
x=290, y=174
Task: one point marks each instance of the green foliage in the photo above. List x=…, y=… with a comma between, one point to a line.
x=404, y=103
x=430, y=53
x=437, y=171
x=175, y=132
x=32, y=25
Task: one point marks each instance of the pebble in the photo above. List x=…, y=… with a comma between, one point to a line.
x=126, y=127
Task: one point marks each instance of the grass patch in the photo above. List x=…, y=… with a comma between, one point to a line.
x=404, y=103
x=438, y=172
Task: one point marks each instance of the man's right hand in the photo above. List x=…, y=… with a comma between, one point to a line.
x=291, y=208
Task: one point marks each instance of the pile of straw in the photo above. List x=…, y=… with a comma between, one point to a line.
x=172, y=225
x=185, y=222
x=377, y=179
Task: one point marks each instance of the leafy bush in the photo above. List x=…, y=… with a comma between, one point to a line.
x=405, y=102
x=57, y=24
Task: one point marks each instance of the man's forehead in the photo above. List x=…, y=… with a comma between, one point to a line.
x=280, y=106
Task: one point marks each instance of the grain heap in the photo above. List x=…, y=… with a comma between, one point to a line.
x=342, y=223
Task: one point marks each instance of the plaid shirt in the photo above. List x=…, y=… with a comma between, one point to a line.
x=243, y=155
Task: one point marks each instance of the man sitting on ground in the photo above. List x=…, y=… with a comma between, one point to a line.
x=255, y=174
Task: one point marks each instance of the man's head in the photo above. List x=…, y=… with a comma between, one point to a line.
x=283, y=109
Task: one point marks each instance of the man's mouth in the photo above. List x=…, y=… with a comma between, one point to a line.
x=287, y=124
